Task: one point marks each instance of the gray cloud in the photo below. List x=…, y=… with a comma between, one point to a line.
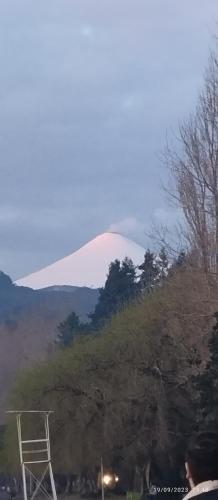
x=87, y=92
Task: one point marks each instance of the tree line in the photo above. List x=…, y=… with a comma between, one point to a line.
x=125, y=283
x=134, y=389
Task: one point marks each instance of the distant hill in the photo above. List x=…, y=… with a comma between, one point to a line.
x=16, y=300
x=28, y=325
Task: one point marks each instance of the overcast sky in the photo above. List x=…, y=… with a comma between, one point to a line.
x=88, y=91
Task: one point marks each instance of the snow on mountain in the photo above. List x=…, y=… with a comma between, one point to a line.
x=88, y=266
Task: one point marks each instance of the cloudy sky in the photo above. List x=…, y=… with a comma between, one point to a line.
x=88, y=91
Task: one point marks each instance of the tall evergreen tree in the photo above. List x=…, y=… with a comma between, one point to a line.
x=163, y=264
x=70, y=329
x=181, y=259
x=178, y=263
x=150, y=272
x=127, y=280
x=120, y=288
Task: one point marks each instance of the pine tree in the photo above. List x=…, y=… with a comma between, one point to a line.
x=70, y=329
x=163, y=264
x=128, y=287
x=181, y=259
x=179, y=263
x=150, y=272
x=120, y=288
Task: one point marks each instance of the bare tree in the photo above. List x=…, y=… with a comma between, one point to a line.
x=195, y=172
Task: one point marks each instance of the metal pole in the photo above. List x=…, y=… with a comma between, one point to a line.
x=102, y=480
x=52, y=482
x=31, y=488
x=19, y=431
x=49, y=457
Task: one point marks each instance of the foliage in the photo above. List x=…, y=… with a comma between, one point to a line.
x=154, y=269
x=120, y=288
x=70, y=329
x=129, y=391
x=163, y=264
x=207, y=382
x=149, y=272
x=179, y=263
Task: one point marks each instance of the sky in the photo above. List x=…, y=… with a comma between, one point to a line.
x=89, y=91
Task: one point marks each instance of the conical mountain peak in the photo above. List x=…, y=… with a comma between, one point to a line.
x=88, y=266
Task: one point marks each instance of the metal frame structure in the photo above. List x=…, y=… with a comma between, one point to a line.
x=30, y=455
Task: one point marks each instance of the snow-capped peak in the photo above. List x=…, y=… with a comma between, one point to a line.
x=88, y=266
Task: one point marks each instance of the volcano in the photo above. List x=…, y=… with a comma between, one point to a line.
x=88, y=266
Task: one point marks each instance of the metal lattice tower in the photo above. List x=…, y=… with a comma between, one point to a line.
x=31, y=454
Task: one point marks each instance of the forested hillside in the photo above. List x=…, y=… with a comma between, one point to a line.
x=28, y=326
